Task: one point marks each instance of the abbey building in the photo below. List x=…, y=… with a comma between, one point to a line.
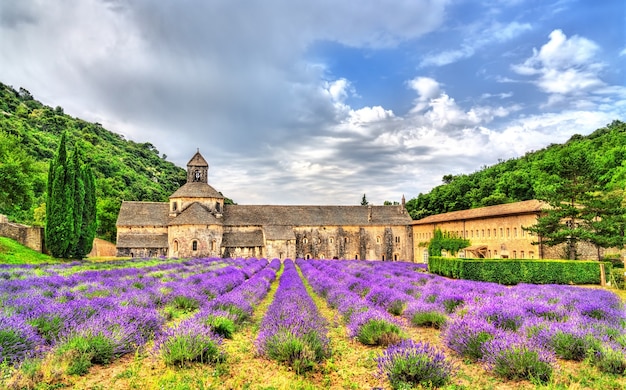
x=197, y=223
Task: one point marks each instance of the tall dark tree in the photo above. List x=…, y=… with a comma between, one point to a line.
x=364, y=201
x=59, y=204
x=71, y=205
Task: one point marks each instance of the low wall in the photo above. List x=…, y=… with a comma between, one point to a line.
x=30, y=236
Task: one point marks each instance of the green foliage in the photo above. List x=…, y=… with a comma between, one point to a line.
x=608, y=360
x=184, y=348
x=30, y=133
x=521, y=363
x=514, y=271
x=81, y=352
x=301, y=353
x=221, y=325
x=446, y=240
x=433, y=319
x=379, y=332
x=364, y=201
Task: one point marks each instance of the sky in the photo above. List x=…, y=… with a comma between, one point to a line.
x=320, y=102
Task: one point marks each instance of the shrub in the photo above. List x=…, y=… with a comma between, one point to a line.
x=514, y=358
x=433, y=319
x=220, y=325
x=408, y=364
x=18, y=340
x=300, y=352
x=379, y=332
x=81, y=352
x=608, y=359
x=468, y=335
x=189, y=342
x=573, y=346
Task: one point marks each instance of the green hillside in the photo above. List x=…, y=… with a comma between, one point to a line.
x=29, y=136
x=525, y=177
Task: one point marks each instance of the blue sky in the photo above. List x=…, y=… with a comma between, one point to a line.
x=318, y=102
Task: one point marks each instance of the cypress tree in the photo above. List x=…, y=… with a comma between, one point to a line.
x=70, y=206
x=88, y=225
x=59, y=204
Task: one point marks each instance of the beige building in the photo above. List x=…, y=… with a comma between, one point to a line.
x=197, y=223
x=493, y=232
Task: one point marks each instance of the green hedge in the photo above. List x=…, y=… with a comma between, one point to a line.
x=514, y=271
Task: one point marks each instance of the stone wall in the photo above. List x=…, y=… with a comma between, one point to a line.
x=30, y=236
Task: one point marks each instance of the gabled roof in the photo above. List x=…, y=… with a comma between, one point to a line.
x=198, y=161
x=143, y=214
x=142, y=241
x=196, y=190
x=242, y=239
x=195, y=214
x=238, y=215
x=525, y=207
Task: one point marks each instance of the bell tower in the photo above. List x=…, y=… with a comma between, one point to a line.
x=197, y=169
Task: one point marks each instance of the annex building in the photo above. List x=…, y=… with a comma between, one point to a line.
x=493, y=231
x=197, y=223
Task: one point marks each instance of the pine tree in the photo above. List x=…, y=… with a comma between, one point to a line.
x=70, y=206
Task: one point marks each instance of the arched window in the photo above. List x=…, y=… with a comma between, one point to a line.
x=395, y=257
x=356, y=257
x=194, y=245
x=213, y=245
x=218, y=206
x=305, y=240
x=331, y=240
x=383, y=257
x=175, y=245
x=174, y=206
x=378, y=239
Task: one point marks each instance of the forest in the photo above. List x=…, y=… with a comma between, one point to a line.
x=531, y=176
x=30, y=133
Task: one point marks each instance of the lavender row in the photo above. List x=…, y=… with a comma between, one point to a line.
x=112, y=308
x=292, y=330
x=199, y=338
x=366, y=321
x=490, y=323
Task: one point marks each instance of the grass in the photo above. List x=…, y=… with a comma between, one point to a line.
x=12, y=252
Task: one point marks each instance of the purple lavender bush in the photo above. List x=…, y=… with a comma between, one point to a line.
x=408, y=364
x=516, y=358
x=292, y=331
x=18, y=340
x=190, y=341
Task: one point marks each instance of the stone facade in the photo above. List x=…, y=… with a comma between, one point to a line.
x=197, y=223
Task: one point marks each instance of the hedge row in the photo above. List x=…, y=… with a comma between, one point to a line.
x=514, y=271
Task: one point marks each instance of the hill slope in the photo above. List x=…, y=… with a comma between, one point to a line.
x=29, y=136
x=519, y=179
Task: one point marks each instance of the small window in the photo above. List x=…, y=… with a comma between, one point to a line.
x=194, y=245
x=331, y=240
x=345, y=240
x=356, y=257
x=395, y=257
x=213, y=245
x=378, y=239
x=383, y=257
x=397, y=239
x=218, y=207
x=514, y=232
x=174, y=206
x=508, y=232
x=305, y=240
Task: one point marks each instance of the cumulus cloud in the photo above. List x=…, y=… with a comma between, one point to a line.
x=564, y=66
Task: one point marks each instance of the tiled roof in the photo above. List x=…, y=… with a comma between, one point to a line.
x=238, y=215
x=242, y=239
x=142, y=241
x=143, y=214
x=196, y=190
x=525, y=207
x=195, y=214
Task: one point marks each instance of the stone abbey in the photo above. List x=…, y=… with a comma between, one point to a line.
x=197, y=223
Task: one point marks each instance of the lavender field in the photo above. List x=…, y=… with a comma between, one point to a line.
x=255, y=323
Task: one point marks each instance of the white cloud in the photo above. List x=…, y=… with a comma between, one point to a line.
x=564, y=66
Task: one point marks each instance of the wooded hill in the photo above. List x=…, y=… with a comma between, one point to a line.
x=532, y=175
x=29, y=136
